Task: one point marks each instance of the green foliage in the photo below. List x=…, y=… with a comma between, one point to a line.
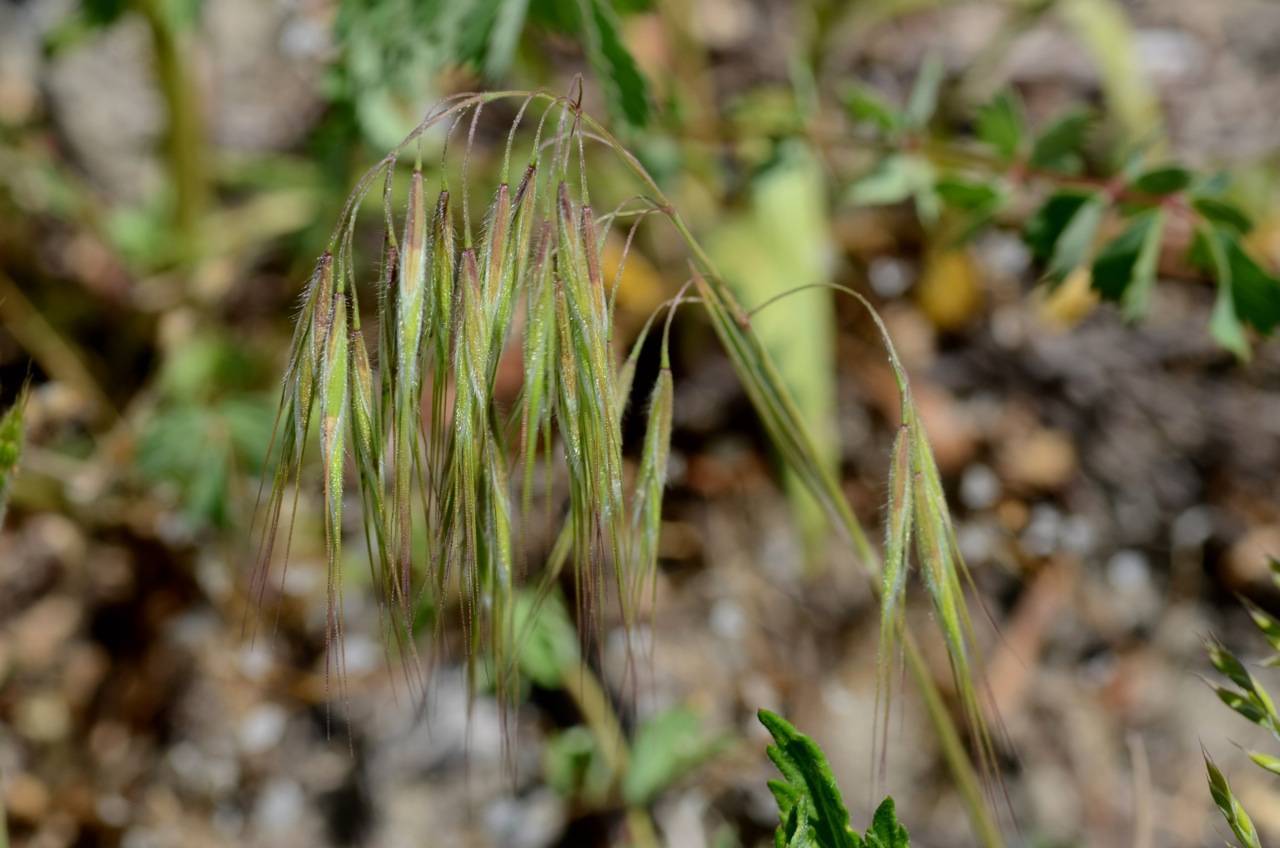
x=666, y=747
x=11, y=440
x=1112, y=224
x=1250, y=699
x=811, y=810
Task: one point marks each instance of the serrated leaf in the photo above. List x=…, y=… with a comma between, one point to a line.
x=1058, y=147
x=886, y=831
x=1169, y=179
x=629, y=93
x=1001, y=123
x=924, y=94
x=805, y=768
x=1124, y=270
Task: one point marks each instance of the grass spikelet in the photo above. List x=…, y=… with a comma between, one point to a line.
x=1232, y=810
x=11, y=437
x=651, y=482
x=333, y=429
x=893, y=580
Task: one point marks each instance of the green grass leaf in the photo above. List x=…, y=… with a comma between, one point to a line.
x=923, y=101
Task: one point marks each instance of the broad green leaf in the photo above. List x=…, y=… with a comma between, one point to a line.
x=1002, y=124
x=924, y=94
x=666, y=747
x=1058, y=147
x=1238, y=820
x=781, y=242
x=1125, y=269
x=810, y=789
x=628, y=92
x=1169, y=179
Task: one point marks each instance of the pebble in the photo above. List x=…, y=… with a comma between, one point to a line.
x=263, y=728
x=1043, y=459
x=43, y=717
x=979, y=487
x=890, y=277
x=26, y=798
x=279, y=807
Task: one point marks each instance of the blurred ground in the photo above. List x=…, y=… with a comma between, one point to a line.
x=1114, y=484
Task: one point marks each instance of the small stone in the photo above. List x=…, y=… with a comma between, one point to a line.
x=26, y=798
x=42, y=631
x=979, y=487
x=279, y=807
x=43, y=717
x=263, y=728
x=1043, y=459
x=1247, y=560
x=890, y=277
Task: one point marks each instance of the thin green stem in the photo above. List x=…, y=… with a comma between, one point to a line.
x=184, y=143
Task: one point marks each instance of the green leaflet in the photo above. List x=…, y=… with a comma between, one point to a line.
x=1002, y=124
x=1125, y=269
x=629, y=94
x=1058, y=147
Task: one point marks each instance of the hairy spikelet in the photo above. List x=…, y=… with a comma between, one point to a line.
x=432, y=440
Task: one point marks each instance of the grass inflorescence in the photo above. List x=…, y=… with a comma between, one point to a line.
x=444, y=469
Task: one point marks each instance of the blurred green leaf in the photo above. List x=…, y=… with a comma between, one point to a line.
x=667, y=746
x=780, y=243
x=1222, y=214
x=1125, y=269
x=547, y=642
x=1044, y=228
x=866, y=106
x=1075, y=241
x=923, y=101
x=1161, y=181
x=1266, y=761
x=628, y=93
x=1103, y=26
x=1058, y=147
x=1002, y=124
x=573, y=766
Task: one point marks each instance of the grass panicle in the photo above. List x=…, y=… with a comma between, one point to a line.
x=447, y=468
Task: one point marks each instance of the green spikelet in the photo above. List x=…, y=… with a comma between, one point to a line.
x=11, y=438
